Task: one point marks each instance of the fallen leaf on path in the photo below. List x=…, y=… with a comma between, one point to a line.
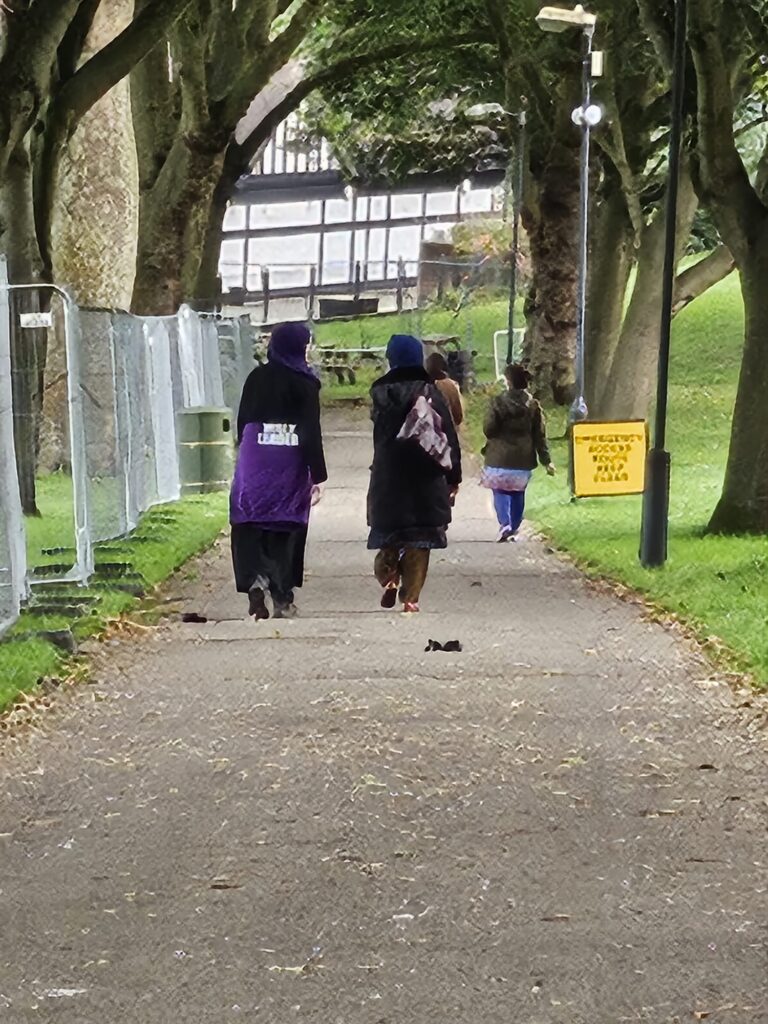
x=572, y=762
x=557, y=917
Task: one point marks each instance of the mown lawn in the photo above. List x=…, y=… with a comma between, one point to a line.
x=474, y=325
x=166, y=538
x=717, y=585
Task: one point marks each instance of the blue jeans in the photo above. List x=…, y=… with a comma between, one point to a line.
x=510, y=507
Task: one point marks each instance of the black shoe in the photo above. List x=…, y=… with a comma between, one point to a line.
x=389, y=597
x=285, y=611
x=257, y=605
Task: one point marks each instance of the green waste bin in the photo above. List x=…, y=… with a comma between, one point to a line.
x=206, y=450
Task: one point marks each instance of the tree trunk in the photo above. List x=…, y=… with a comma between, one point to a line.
x=553, y=235
x=96, y=207
x=743, y=505
x=629, y=387
x=28, y=347
x=612, y=254
x=173, y=221
x=207, y=292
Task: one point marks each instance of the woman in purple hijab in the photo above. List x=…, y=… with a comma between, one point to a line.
x=280, y=469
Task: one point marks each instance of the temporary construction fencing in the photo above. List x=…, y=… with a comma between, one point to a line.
x=13, y=565
x=112, y=432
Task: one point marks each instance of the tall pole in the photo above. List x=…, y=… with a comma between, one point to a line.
x=518, y=185
x=578, y=410
x=655, y=527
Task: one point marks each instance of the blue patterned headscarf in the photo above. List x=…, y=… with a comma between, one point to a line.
x=288, y=347
x=404, y=351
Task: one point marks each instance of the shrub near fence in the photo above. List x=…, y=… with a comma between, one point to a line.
x=113, y=427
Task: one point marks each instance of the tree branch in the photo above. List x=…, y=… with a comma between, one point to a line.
x=654, y=16
x=345, y=68
x=702, y=276
x=32, y=39
x=613, y=145
x=73, y=43
x=276, y=54
x=76, y=96
x=497, y=19
x=723, y=176
x=743, y=129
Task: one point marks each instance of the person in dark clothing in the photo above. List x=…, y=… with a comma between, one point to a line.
x=409, y=499
x=437, y=368
x=516, y=439
x=279, y=475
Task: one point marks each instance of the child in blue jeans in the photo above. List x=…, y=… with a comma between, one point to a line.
x=516, y=442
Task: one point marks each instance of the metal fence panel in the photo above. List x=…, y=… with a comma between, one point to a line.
x=236, y=360
x=158, y=342
x=127, y=378
x=104, y=455
x=84, y=562
x=190, y=349
x=12, y=543
x=213, y=387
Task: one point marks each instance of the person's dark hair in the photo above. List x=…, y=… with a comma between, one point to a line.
x=437, y=366
x=517, y=376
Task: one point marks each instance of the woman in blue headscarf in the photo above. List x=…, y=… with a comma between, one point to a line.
x=280, y=470
x=410, y=494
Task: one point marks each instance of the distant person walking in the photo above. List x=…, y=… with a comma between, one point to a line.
x=437, y=368
x=409, y=499
x=516, y=436
x=279, y=475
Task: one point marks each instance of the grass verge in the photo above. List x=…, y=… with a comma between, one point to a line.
x=715, y=585
x=166, y=538
x=474, y=325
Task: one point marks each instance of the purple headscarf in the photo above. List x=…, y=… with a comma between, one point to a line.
x=288, y=347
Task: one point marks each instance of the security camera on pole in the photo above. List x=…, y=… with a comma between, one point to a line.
x=586, y=117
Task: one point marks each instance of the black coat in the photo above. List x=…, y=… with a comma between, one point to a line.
x=275, y=394
x=408, y=489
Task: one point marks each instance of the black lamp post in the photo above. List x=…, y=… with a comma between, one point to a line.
x=655, y=526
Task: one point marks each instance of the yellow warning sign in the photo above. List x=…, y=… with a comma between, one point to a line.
x=609, y=458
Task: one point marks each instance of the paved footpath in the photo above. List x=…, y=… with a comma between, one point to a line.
x=563, y=824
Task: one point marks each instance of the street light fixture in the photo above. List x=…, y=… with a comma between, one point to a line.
x=560, y=19
x=586, y=117
x=477, y=112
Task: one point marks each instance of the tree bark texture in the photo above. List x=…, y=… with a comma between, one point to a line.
x=173, y=222
x=629, y=385
x=95, y=217
x=553, y=234
x=612, y=255
x=743, y=505
x=741, y=214
x=222, y=59
x=206, y=289
x=28, y=347
x=32, y=39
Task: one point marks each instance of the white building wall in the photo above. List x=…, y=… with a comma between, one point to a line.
x=289, y=257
